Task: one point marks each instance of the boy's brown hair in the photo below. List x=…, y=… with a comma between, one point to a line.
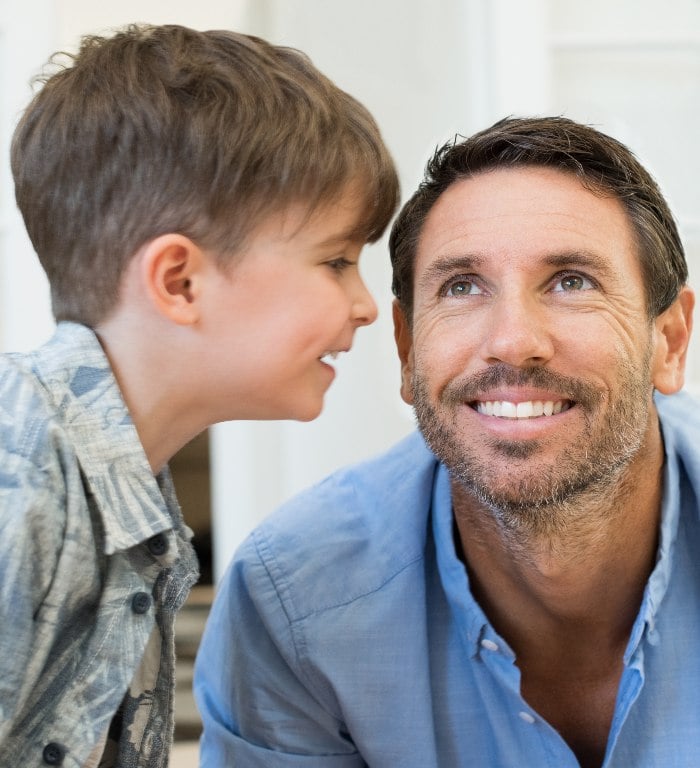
x=161, y=129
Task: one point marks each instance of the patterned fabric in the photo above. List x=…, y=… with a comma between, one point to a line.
x=345, y=634
x=95, y=560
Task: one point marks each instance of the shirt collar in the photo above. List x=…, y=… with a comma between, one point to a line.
x=76, y=373
x=473, y=622
x=657, y=585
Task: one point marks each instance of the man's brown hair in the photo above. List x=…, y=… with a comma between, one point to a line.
x=161, y=129
x=602, y=164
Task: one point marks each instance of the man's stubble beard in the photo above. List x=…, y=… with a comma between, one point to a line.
x=541, y=501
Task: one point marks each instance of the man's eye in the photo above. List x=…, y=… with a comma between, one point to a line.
x=462, y=287
x=571, y=283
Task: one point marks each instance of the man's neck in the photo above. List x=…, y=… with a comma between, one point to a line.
x=566, y=602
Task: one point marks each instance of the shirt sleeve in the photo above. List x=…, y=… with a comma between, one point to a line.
x=32, y=516
x=257, y=703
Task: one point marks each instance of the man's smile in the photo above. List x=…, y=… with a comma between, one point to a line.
x=529, y=409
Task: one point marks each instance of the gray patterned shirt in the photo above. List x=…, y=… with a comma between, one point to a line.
x=95, y=560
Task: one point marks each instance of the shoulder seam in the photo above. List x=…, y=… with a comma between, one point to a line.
x=360, y=595
x=282, y=586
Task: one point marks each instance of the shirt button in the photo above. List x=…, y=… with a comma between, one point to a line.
x=489, y=645
x=140, y=602
x=526, y=717
x=158, y=544
x=54, y=753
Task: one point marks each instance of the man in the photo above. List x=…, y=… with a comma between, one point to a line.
x=524, y=589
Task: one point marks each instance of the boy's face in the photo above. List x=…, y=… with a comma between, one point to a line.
x=292, y=300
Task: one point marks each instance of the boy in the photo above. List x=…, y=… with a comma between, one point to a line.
x=199, y=201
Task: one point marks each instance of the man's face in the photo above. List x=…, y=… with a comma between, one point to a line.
x=531, y=358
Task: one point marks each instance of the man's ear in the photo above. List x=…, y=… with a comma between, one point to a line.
x=672, y=334
x=404, y=345
x=171, y=267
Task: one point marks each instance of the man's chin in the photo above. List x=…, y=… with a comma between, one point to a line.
x=515, y=449
x=518, y=498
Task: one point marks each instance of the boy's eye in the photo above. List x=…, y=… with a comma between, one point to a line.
x=462, y=287
x=573, y=282
x=339, y=264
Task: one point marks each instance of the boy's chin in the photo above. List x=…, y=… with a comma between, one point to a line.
x=310, y=413
x=301, y=411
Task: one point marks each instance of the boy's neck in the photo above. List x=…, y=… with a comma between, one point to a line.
x=152, y=388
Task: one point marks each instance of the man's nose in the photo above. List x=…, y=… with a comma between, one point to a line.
x=517, y=331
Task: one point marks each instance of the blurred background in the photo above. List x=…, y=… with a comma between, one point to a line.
x=426, y=71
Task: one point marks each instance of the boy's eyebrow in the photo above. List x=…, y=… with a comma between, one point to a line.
x=352, y=233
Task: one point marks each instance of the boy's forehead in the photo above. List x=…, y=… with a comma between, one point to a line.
x=327, y=222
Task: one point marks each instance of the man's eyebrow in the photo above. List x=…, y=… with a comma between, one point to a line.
x=578, y=260
x=448, y=266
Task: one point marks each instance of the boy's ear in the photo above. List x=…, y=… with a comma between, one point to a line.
x=404, y=345
x=171, y=267
x=672, y=334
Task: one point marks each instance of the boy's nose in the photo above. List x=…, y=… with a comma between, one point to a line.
x=364, y=309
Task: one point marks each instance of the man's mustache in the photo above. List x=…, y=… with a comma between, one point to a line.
x=503, y=375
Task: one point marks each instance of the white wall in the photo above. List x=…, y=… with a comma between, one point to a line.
x=25, y=317
x=427, y=71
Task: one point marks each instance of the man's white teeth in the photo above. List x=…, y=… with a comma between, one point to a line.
x=329, y=355
x=527, y=410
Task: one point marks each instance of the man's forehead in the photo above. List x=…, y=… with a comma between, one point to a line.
x=527, y=209
x=501, y=190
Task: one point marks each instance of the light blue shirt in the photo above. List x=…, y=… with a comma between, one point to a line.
x=345, y=634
